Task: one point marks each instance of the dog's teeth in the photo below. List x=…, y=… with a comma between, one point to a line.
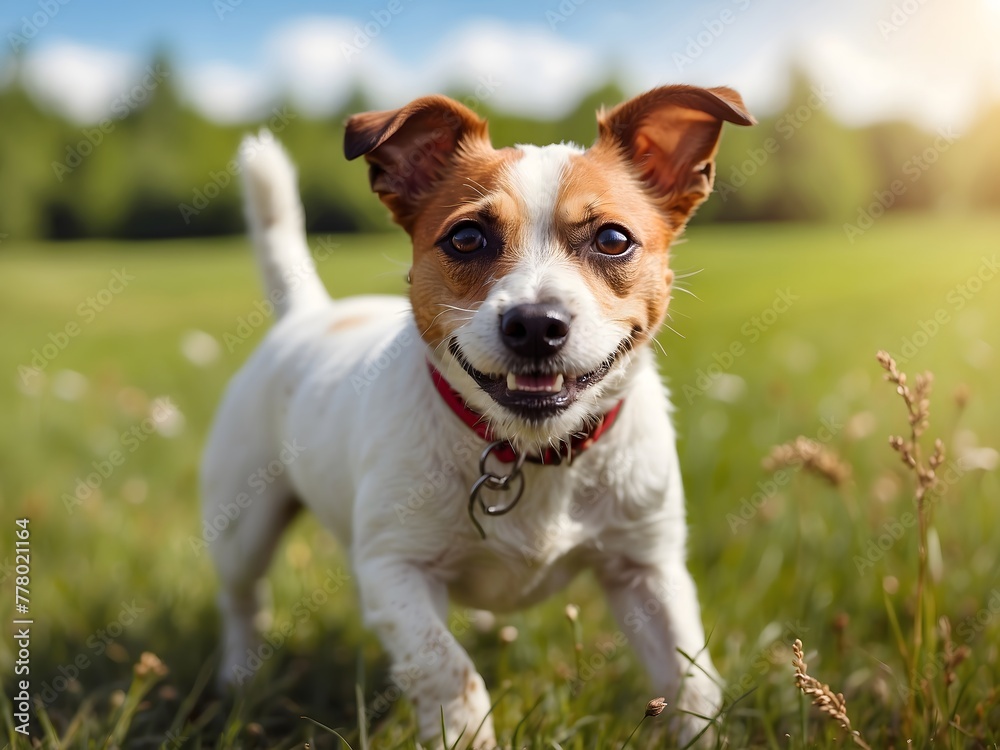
x=535, y=383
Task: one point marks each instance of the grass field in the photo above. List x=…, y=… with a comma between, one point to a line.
x=779, y=340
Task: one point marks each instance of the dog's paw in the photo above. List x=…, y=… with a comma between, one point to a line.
x=695, y=720
x=468, y=724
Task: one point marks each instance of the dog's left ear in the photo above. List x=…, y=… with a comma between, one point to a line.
x=670, y=135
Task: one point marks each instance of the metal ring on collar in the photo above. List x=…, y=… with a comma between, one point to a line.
x=518, y=462
x=496, y=483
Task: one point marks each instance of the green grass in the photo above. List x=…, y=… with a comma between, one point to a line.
x=116, y=576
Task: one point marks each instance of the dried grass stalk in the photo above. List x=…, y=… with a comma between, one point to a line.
x=830, y=703
x=812, y=457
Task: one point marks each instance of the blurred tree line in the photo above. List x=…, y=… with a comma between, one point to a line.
x=157, y=168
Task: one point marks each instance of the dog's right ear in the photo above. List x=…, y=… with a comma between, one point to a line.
x=670, y=135
x=408, y=149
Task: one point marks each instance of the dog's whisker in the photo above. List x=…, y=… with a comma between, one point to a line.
x=484, y=192
x=476, y=187
x=456, y=307
x=596, y=202
x=465, y=319
x=688, y=274
x=687, y=291
x=679, y=314
x=465, y=202
x=672, y=330
x=395, y=261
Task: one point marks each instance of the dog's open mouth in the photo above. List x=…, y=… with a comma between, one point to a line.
x=534, y=395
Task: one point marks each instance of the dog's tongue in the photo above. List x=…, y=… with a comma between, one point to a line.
x=537, y=383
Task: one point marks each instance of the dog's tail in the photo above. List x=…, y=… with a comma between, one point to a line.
x=277, y=224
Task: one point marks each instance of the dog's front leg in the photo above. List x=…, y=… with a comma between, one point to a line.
x=408, y=610
x=656, y=605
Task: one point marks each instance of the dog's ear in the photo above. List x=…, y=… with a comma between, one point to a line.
x=670, y=135
x=408, y=149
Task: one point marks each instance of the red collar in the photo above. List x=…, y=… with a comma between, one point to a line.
x=577, y=443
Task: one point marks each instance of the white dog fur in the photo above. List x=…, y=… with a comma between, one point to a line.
x=346, y=381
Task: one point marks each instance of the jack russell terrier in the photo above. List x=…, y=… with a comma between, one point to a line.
x=519, y=376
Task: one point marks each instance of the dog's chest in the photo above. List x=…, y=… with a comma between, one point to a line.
x=536, y=549
x=510, y=571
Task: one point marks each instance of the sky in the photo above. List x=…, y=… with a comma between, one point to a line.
x=935, y=62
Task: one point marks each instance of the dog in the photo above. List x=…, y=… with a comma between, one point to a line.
x=502, y=429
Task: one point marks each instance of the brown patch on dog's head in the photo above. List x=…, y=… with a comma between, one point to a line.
x=602, y=190
x=650, y=168
x=471, y=192
x=432, y=164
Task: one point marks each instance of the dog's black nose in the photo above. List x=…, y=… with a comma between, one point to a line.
x=536, y=331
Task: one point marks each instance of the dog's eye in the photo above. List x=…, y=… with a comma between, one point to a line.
x=467, y=238
x=612, y=241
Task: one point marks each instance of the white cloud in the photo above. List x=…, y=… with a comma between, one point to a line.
x=78, y=81
x=937, y=67
x=227, y=93
x=933, y=65
x=528, y=70
x=309, y=61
